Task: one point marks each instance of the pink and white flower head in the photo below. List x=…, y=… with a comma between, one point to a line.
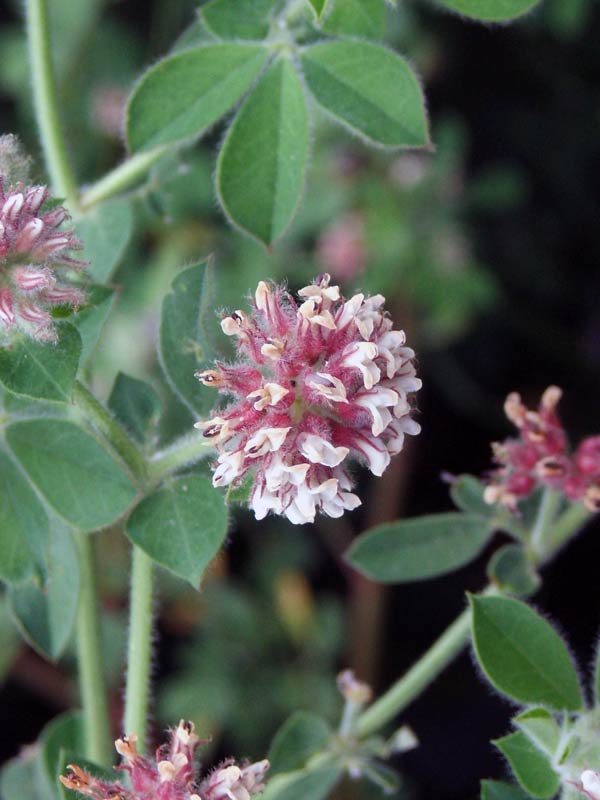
x=541, y=456
x=171, y=775
x=319, y=382
x=34, y=262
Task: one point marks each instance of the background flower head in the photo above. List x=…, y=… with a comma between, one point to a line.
x=35, y=262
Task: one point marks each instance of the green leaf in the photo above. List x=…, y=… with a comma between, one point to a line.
x=510, y=570
x=303, y=784
x=63, y=733
x=467, y=495
x=261, y=166
x=370, y=89
x=105, y=231
x=541, y=728
x=183, y=338
x=522, y=655
x=18, y=778
x=301, y=736
x=10, y=641
x=43, y=371
x=181, y=526
x=78, y=478
x=90, y=320
x=364, y=18
x=412, y=549
x=499, y=790
x=46, y=615
x=532, y=768
x=186, y=93
x=136, y=405
x=318, y=7
x=491, y=10
x=237, y=19
x=23, y=524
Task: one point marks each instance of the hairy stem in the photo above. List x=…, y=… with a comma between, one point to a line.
x=139, y=649
x=546, y=514
x=89, y=650
x=120, y=178
x=108, y=426
x=45, y=101
x=188, y=449
x=454, y=638
x=420, y=675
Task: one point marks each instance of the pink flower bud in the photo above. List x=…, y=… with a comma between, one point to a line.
x=29, y=235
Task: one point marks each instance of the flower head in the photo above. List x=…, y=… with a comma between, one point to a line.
x=318, y=382
x=171, y=775
x=541, y=456
x=34, y=262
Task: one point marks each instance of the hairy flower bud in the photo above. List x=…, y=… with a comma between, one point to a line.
x=34, y=261
x=319, y=382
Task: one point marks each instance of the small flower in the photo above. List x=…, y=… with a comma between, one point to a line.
x=34, y=262
x=171, y=775
x=590, y=784
x=318, y=382
x=541, y=456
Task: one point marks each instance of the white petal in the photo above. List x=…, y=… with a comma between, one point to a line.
x=320, y=451
x=230, y=466
x=349, y=310
x=336, y=391
x=269, y=395
x=376, y=456
x=267, y=440
x=263, y=501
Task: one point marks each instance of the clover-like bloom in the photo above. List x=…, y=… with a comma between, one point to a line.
x=318, y=383
x=171, y=775
x=34, y=262
x=541, y=456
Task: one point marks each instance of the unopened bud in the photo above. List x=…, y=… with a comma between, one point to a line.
x=352, y=689
x=210, y=377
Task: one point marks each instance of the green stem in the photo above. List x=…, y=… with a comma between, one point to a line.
x=89, y=649
x=45, y=101
x=569, y=522
x=420, y=675
x=187, y=450
x=139, y=650
x=452, y=641
x=121, y=178
x=107, y=425
x=546, y=514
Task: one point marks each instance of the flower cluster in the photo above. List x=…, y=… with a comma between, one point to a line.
x=34, y=261
x=318, y=382
x=541, y=457
x=172, y=775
